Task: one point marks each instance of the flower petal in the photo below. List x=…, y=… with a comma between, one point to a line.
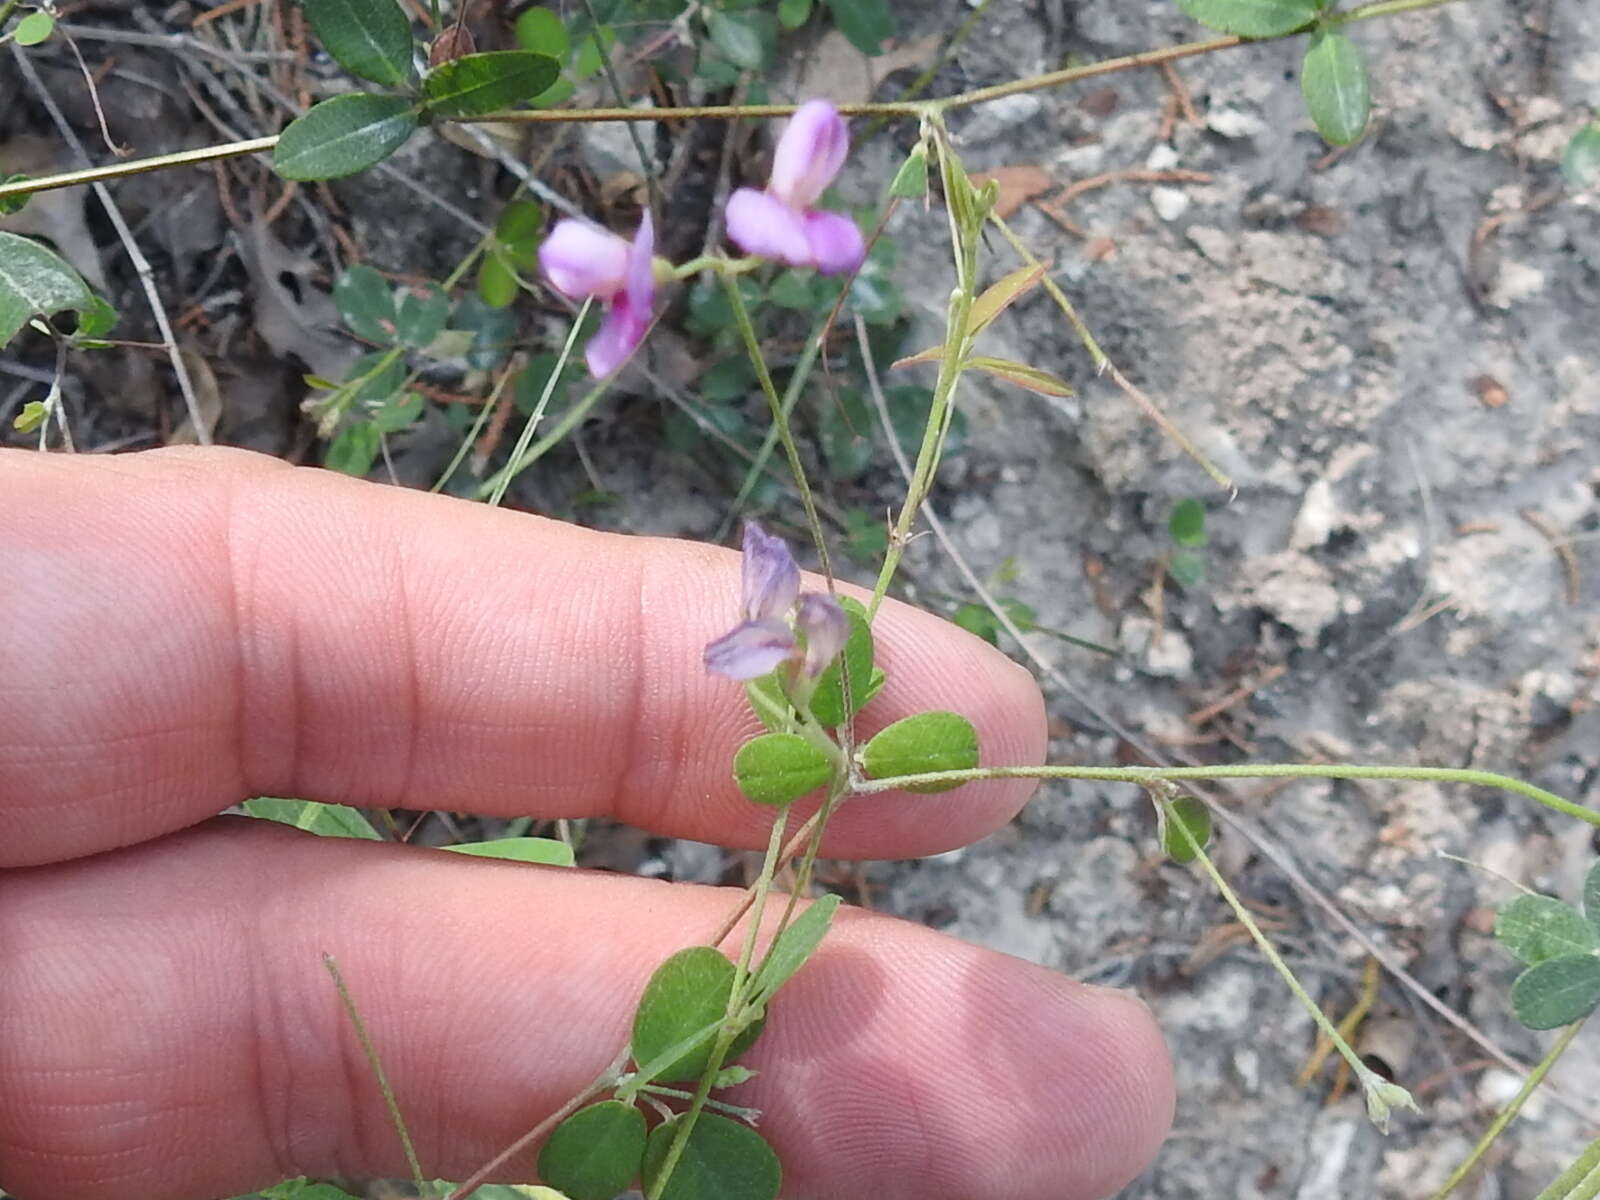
x=621, y=331
x=836, y=242
x=769, y=579
x=582, y=260
x=826, y=629
x=640, y=280
x=810, y=152
x=750, y=651
x=760, y=224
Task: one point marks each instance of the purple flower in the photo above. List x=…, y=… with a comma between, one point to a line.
x=763, y=641
x=826, y=629
x=582, y=260
x=783, y=222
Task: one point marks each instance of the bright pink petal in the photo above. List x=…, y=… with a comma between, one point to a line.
x=836, y=242
x=751, y=650
x=760, y=224
x=582, y=260
x=641, y=280
x=621, y=331
x=809, y=154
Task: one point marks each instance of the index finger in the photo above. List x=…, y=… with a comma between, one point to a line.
x=190, y=628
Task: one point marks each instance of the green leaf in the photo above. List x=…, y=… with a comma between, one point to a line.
x=1557, y=991
x=1187, y=567
x=794, y=946
x=305, y=1189
x=1338, y=94
x=1537, y=928
x=588, y=60
x=1032, y=378
x=793, y=13
x=930, y=741
x=866, y=537
x=721, y=1160
x=366, y=304
x=1581, y=163
x=547, y=852
x=10, y=205
x=494, y=332
x=687, y=994
x=421, y=315
x=32, y=416
x=497, y=283
x=325, y=820
x=1001, y=295
x=867, y=23
x=34, y=28
x=369, y=38
x=476, y=84
x=542, y=31
x=768, y=702
x=1184, y=813
x=911, y=180
x=354, y=450
x=1187, y=524
x=100, y=317
x=777, y=768
x=1252, y=18
x=596, y=1152
x=35, y=282
x=738, y=37
x=399, y=412
x=827, y=701
x=344, y=135
x=1591, y=896
x=978, y=619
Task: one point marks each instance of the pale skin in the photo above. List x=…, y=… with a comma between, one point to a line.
x=185, y=629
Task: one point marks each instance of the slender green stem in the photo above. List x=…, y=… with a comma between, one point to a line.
x=1578, y=1181
x=484, y=412
x=6, y=9
x=570, y=420
x=737, y=1002
x=1509, y=1113
x=791, y=397
x=137, y=166
x=621, y=98
x=780, y=421
x=1143, y=776
x=502, y=481
x=721, y=264
x=1383, y=8
x=371, y=1053
x=1369, y=1079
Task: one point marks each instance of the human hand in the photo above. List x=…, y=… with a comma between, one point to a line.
x=185, y=629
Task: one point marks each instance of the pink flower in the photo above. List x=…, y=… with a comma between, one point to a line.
x=783, y=222
x=582, y=260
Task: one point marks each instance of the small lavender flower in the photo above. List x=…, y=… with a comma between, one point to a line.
x=582, y=260
x=783, y=222
x=769, y=590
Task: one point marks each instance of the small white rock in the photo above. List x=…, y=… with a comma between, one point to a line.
x=1170, y=203
x=1162, y=157
x=1232, y=123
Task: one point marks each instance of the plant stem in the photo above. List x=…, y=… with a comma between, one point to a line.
x=6, y=9
x=1509, y=1114
x=1143, y=776
x=780, y=421
x=137, y=166
x=737, y=1001
x=1383, y=8
x=371, y=1053
x=497, y=490
x=1582, y=1174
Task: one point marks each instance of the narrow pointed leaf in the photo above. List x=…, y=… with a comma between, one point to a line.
x=932, y=354
x=1024, y=376
x=998, y=297
x=777, y=768
x=596, y=1152
x=797, y=943
x=1252, y=18
x=484, y=83
x=1537, y=928
x=548, y=852
x=1337, y=91
x=722, y=1160
x=1557, y=991
x=35, y=282
x=927, y=742
x=344, y=135
x=325, y=820
x=369, y=38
